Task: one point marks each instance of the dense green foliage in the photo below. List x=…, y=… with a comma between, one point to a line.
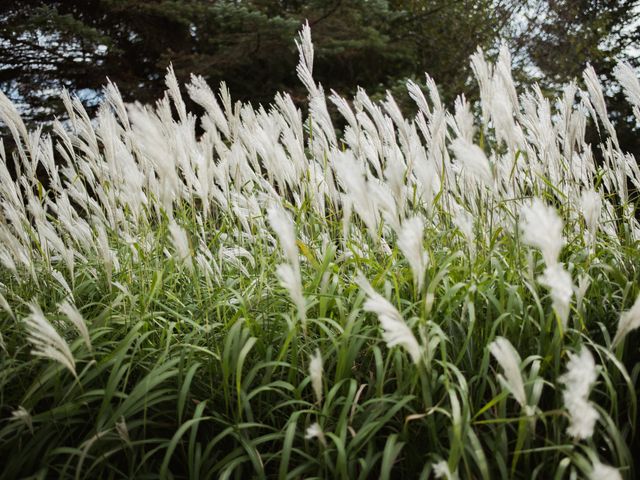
x=166, y=295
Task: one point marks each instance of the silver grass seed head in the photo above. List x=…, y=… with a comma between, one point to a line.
x=315, y=372
x=601, y=471
x=628, y=78
x=542, y=228
x=629, y=320
x=394, y=329
x=46, y=341
x=591, y=206
x=410, y=242
x=441, y=470
x=180, y=242
x=21, y=414
x=561, y=289
x=578, y=380
x=282, y=223
x=509, y=360
x=315, y=431
x=291, y=281
x=77, y=320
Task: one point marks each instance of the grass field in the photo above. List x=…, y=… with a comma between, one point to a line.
x=255, y=294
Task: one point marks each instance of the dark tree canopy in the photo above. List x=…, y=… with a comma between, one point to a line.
x=77, y=44
x=47, y=45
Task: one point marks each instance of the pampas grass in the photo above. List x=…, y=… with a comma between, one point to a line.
x=188, y=270
x=46, y=341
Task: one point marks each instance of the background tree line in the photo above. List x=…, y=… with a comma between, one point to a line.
x=375, y=44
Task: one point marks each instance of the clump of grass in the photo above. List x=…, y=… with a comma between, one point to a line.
x=420, y=297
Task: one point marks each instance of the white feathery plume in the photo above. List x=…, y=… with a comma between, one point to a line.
x=628, y=78
x=61, y=280
x=584, y=282
x=629, y=320
x=410, y=243
x=47, y=343
x=21, y=414
x=180, y=242
x=464, y=221
x=173, y=91
x=473, y=160
x=305, y=47
x=351, y=176
x=542, y=228
x=347, y=209
x=596, y=95
x=288, y=273
x=4, y=305
x=102, y=246
x=604, y=472
x=580, y=376
x=427, y=177
x=201, y=93
x=483, y=73
x=289, y=277
x=464, y=121
x=561, y=288
x=591, y=206
x=77, y=320
x=315, y=431
x=386, y=202
x=441, y=470
x=630, y=84
x=123, y=431
x=509, y=360
x=305, y=63
x=315, y=372
x=394, y=329
x=416, y=94
x=283, y=225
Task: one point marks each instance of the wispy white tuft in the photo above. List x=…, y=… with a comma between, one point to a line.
x=464, y=221
x=473, y=160
x=315, y=431
x=629, y=320
x=584, y=282
x=61, y=280
x=305, y=46
x=394, y=329
x=315, y=372
x=412, y=247
x=180, y=242
x=123, y=431
x=21, y=414
x=628, y=78
x=4, y=305
x=47, y=343
x=542, y=228
x=604, y=472
x=561, y=288
x=290, y=279
x=507, y=357
x=578, y=380
x=282, y=224
x=596, y=96
x=591, y=205
x=441, y=470
x=76, y=319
